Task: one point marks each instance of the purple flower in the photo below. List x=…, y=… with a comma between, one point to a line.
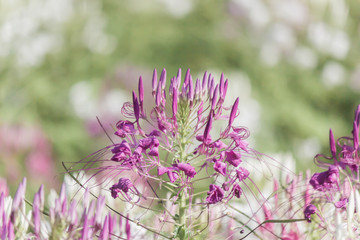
x=220, y=167
x=163, y=170
x=237, y=190
x=165, y=140
x=309, y=210
x=121, y=152
x=173, y=176
x=342, y=203
x=124, y=128
x=226, y=186
x=238, y=135
x=215, y=194
x=187, y=169
x=122, y=187
x=234, y=158
x=220, y=145
x=325, y=181
x=242, y=174
x=75, y=221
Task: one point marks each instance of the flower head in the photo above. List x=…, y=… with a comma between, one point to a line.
x=176, y=144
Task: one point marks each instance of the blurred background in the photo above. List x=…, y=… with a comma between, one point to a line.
x=293, y=63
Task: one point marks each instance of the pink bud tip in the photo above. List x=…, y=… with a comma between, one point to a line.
x=214, y=97
x=357, y=115
x=233, y=111
x=175, y=102
x=356, y=135
x=141, y=90
x=158, y=96
x=332, y=144
x=19, y=196
x=225, y=89
x=136, y=106
x=197, y=88
x=208, y=128
x=221, y=85
x=211, y=88
x=187, y=77
x=178, y=77
x=154, y=81
x=205, y=81
x=162, y=80
x=191, y=90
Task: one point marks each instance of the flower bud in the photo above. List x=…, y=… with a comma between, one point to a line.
x=204, y=83
x=154, y=82
x=214, y=97
x=141, y=95
x=162, y=80
x=175, y=103
x=356, y=136
x=136, y=106
x=233, y=112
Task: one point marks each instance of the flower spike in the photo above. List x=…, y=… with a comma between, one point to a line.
x=165, y=154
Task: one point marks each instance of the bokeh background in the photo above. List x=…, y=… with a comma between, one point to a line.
x=293, y=63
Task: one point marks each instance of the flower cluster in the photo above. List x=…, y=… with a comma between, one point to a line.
x=172, y=149
x=336, y=199
x=60, y=219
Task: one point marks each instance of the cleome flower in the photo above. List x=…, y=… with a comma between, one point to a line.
x=177, y=148
x=60, y=219
x=336, y=199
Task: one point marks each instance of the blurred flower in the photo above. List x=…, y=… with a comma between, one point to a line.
x=333, y=74
x=59, y=220
x=336, y=198
x=305, y=57
x=31, y=144
x=3, y=187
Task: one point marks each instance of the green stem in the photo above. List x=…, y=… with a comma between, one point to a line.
x=184, y=130
x=182, y=217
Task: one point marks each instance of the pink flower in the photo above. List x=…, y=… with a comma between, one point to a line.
x=242, y=174
x=327, y=180
x=220, y=167
x=187, y=169
x=215, y=194
x=234, y=158
x=309, y=210
x=3, y=187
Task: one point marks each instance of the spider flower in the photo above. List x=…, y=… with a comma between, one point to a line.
x=335, y=202
x=174, y=147
x=60, y=219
